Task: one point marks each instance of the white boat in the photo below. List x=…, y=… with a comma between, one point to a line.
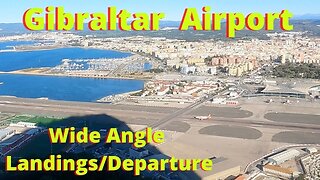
x=43, y=98
x=1, y=83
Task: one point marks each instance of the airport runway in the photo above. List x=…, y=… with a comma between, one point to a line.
x=166, y=120
x=62, y=108
x=156, y=117
x=218, y=133
x=131, y=114
x=257, y=123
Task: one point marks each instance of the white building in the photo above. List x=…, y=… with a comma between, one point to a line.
x=283, y=156
x=213, y=70
x=278, y=171
x=185, y=69
x=311, y=150
x=24, y=124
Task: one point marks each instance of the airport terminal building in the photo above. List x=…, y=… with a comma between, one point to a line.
x=290, y=89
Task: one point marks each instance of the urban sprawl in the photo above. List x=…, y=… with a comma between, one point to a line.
x=222, y=100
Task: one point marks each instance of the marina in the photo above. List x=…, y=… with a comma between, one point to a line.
x=11, y=61
x=19, y=67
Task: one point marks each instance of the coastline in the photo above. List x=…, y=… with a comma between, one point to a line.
x=21, y=72
x=35, y=71
x=46, y=48
x=43, y=71
x=48, y=96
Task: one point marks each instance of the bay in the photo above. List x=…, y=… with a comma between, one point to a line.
x=11, y=61
x=64, y=88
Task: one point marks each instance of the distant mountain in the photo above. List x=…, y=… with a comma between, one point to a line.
x=169, y=29
x=7, y=29
x=307, y=17
x=169, y=24
x=18, y=28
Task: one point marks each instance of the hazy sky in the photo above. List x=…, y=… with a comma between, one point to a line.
x=12, y=10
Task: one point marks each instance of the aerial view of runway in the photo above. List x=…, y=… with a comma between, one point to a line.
x=250, y=124
x=126, y=113
x=158, y=116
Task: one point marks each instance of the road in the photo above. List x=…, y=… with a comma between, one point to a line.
x=166, y=120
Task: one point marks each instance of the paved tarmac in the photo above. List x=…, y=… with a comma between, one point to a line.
x=227, y=112
x=297, y=137
x=294, y=118
x=178, y=126
x=231, y=131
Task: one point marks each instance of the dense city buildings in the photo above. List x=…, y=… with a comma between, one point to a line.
x=212, y=99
